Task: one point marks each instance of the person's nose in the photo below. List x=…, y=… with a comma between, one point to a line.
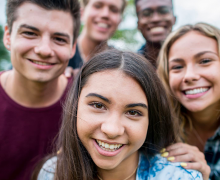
x=105, y=13
x=191, y=74
x=112, y=126
x=43, y=48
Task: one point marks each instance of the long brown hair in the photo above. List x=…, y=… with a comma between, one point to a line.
x=163, y=68
x=74, y=162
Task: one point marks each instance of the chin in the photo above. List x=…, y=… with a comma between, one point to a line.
x=106, y=165
x=194, y=109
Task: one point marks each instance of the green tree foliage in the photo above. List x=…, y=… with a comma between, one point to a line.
x=129, y=36
x=4, y=55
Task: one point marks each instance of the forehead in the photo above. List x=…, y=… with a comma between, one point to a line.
x=117, y=3
x=34, y=15
x=115, y=84
x=153, y=3
x=193, y=42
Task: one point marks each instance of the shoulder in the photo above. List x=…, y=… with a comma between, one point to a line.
x=48, y=170
x=142, y=50
x=158, y=167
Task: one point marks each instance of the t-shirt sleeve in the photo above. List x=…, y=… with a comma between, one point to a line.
x=166, y=170
x=48, y=170
x=176, y=172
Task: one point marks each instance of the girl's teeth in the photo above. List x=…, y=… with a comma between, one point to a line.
x=108, y=147
x=196, y=91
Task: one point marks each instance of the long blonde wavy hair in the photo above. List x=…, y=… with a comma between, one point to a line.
x=163, y=68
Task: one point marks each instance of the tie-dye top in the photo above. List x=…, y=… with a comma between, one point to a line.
x=155, y=168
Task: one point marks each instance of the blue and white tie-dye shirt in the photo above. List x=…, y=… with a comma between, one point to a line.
x=155, y=168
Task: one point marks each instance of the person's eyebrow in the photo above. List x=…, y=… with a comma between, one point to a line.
x=99, y=96
x=29, y=27
x=176, y=60
x=204, y=52
x=137, y=104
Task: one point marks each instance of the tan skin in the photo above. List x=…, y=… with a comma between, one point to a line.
x=111, y=120
x=199, y=68
x=101, y=19
x=31, y=41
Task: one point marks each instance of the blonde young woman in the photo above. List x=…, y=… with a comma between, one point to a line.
x=189, y=67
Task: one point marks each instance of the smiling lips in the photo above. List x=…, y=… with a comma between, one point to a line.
x=42, y=63
x=108, y=147
x=102, y=25
x=195, y=93
x=157, y=30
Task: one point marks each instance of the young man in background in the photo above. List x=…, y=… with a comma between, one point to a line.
x=155, y=22
x=100, y=19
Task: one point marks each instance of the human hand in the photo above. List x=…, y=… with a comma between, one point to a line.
x=70, y=72
x=190, y=156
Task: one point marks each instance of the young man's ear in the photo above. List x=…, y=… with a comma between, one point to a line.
x=7, y=38
x=73, y=51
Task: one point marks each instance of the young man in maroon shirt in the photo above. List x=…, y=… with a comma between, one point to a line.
x=41, y=36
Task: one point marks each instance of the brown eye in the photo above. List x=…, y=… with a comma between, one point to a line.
x=134, y=113
x=205, y=61
x=97, y=105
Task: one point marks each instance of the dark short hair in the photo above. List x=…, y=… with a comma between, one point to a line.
x=74, y=161
x=136, y=1
x=124, y=3
x=71, y=6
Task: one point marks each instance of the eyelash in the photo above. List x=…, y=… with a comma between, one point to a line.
x=28, y=33
x=60, y=40
x=94, y=104
x=177, y=67
x=138, y=113
x=205, y=61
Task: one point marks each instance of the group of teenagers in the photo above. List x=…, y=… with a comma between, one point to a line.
x=74, y=108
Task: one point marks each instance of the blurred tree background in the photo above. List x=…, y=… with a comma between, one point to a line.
x=127, y=37
x=4, y=54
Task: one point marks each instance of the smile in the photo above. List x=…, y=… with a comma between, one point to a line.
x=157, y=30
x=108, y=147
x=103, y=25
x=196, y=91
x=41, y=63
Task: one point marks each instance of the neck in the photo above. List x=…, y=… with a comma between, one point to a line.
x=206, y=121
x=88, y=47
x=123, y=170
x=153, y=50
x=30, y=93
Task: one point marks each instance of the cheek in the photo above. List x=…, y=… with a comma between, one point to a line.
x=63, y=54
x=116, y=19
x=174, y=82
x=170, y=20
x=86, y=123
x=22, y=46
x=138, y=132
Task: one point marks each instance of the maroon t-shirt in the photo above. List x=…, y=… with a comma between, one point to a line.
x=26, y=135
